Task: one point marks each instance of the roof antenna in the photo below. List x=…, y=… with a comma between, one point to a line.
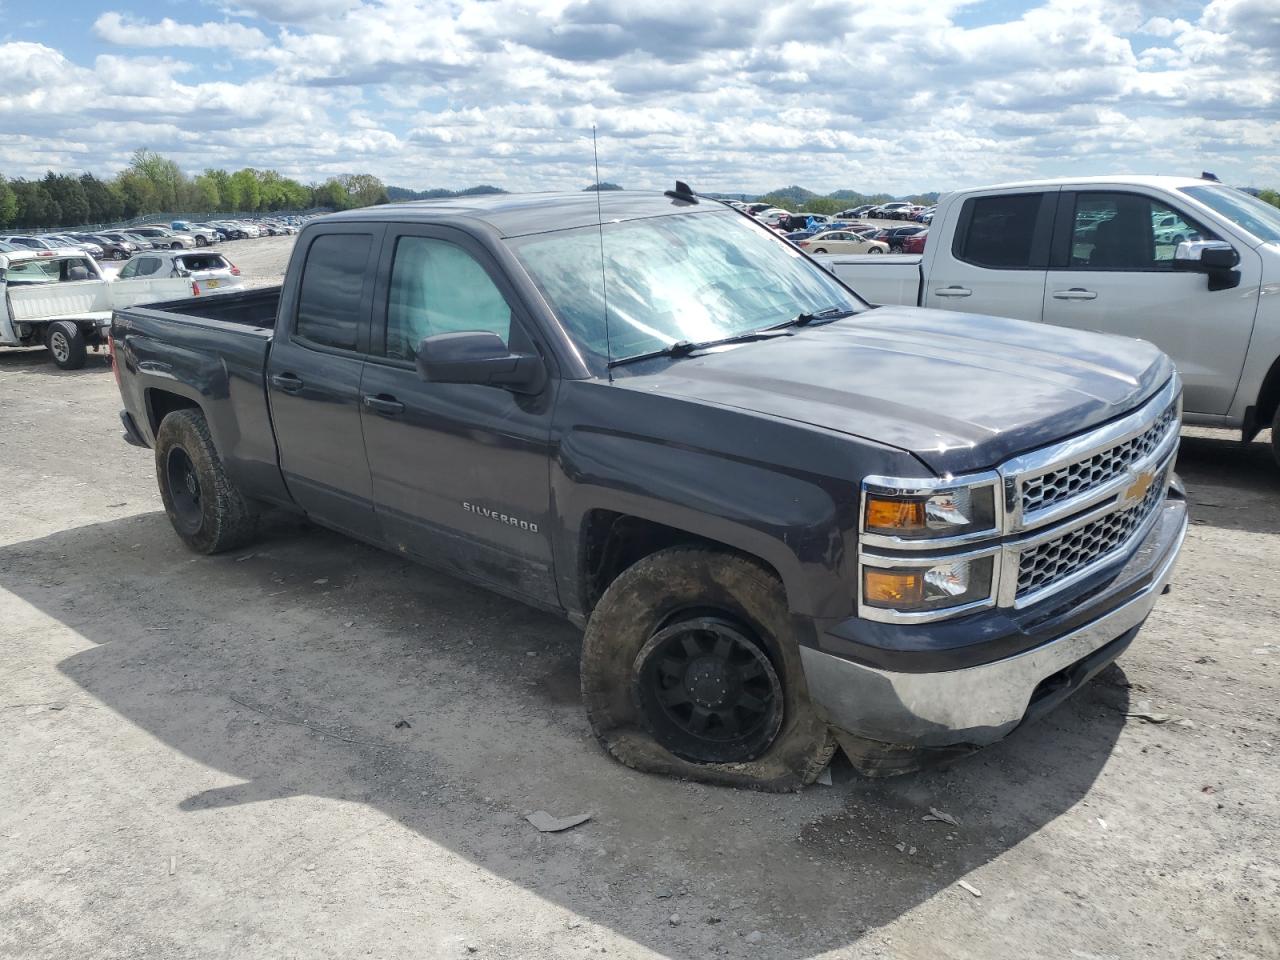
x=604, y=283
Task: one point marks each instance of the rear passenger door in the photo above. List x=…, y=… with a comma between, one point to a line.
x=460, y=471
x=998, y=256
x=314, y=370
x=137, y=283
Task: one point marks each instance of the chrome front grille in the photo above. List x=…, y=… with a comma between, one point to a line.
x=1079, y=478
x=1053, y=561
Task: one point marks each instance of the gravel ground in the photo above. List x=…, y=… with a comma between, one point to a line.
x=203, y=757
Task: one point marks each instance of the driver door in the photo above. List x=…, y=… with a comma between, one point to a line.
x=1112, y=271
x=460, y=471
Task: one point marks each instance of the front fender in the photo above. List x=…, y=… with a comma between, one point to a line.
x=801, y=525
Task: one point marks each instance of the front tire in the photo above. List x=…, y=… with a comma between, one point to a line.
x=201, y=241
x=875, y=250
x=66, y=344
x=821, y=250
x=691, y=668
x=205, y=507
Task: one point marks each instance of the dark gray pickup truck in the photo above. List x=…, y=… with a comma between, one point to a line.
x=785, y=520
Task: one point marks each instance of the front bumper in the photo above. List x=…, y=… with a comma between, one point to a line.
x=980, y=704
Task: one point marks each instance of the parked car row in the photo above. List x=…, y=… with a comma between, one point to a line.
x=123, y=243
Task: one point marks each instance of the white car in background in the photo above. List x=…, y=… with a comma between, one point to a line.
x=159, y=275
x=841, y=241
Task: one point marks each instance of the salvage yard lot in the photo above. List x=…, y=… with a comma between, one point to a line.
x=206, y=756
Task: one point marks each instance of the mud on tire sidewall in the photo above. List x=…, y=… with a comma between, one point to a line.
x=226, y=519
x=649, y=593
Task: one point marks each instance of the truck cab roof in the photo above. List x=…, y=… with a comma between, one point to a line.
x=515, y=215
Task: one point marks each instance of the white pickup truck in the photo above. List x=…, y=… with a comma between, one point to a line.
x=62, y=300
x=1191, y=265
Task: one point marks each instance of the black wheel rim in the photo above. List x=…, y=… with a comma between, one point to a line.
x=708, y=692
x=184, y=490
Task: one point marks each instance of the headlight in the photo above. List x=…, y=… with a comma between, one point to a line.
x=939, y=585
x=937, y=514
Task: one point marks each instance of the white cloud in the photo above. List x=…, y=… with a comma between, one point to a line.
x=125, y=31
x=902, y=96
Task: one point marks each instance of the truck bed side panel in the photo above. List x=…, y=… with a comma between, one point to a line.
x=217, y=365
x=879, y=279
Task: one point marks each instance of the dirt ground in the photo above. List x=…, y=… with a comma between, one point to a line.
x=204, y=757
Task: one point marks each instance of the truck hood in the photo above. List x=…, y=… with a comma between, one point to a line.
x=962, y=392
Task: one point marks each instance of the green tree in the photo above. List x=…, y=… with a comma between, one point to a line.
x=66, y=192
x=138, y=195
x=35, y=207
x=105, y=204
x=248, y=189
x=822, y=205
x=8, y=203
x=208, y=197
x=1269, y=196
x=363, y=189
x=162, y=173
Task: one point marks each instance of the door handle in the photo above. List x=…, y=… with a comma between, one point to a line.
x=384, y=404
x=952, y=291
x=1075, y=293
x=287, y=382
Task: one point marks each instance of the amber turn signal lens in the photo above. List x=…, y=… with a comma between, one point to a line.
x=892, y=587
x=894, y=514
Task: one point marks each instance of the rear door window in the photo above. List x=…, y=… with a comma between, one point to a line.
x=999, y=231
x=332, y=290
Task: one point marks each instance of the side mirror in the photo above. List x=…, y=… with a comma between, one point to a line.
x=1217, y=258
x=480, y=357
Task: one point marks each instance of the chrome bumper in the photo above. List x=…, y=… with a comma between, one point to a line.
x=981, y=704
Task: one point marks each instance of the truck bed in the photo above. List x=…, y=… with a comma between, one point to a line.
x=207, y=352
x=878, y=279
x=247, y=308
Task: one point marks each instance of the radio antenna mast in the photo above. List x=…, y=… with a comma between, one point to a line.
x=604, y=282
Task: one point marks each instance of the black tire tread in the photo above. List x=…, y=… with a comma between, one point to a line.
x=79, y=351
x=804, y=745
x=229, y=520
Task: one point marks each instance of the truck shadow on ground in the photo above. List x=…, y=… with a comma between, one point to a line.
x=1230, y=484
x=287, y=667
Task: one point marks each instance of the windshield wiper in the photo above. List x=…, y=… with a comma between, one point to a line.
x=826, y=313
x=682, y=348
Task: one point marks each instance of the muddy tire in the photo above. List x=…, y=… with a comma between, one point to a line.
x=66, y=344
x=691, y=668
x=204, y=506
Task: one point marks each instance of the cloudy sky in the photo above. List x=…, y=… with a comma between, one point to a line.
x=895, y=95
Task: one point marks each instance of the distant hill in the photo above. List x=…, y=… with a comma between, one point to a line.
x=605, y=185
x=398, y=194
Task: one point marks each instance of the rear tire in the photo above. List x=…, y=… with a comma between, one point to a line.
x=205, y=507
x=691, y=668
x=66, y=344
x=821, y=250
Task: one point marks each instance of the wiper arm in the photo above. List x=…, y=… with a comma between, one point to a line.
x=682, y=348
x=804, y=319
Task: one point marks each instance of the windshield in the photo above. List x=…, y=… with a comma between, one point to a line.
x=693, y=277
x=1258, y=217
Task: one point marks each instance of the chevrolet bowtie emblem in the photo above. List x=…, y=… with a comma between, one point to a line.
x=1139, y=486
